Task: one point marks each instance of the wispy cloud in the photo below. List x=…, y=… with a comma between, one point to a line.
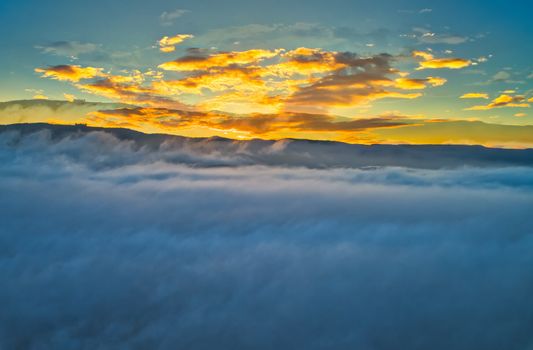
x=168, y=18
x=71, y=49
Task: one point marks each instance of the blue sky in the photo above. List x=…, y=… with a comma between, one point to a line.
x=122, y=36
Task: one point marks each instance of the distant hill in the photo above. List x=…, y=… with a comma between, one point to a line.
x=57, y=104
x=303, y=153
x=33, y=111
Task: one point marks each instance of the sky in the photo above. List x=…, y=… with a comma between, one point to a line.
x=394, y=237
x=352, y=71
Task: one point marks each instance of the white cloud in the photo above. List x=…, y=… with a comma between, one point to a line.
x=169, y=17
x=105, y=242
x=71, y=49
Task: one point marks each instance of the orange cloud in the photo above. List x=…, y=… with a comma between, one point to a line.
x=502, y=101
x=216, y=80
x=475, y=95
x=364, y=79
x=71, y=73
x=168, y=44
x=269, y=126
x=417, y=84
x=430, y=62
x=69, y=97
x=114, y=88
x=198, y=60
x=305, y=61
x=258, y=80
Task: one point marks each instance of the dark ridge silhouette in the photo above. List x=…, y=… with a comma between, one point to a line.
x=293, y=152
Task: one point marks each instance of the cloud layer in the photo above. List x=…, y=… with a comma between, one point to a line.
x=258, y=80
x=382, y=129
x=108, y=245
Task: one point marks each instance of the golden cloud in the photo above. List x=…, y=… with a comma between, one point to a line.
x=199, y=60
x=269, y=126
x=363, y=79
x=307, y=80
x=430, y=62
x=503, y=100
x=475, y=95
x=168, y=44
x=69, y=97
x=305, y=61
x=114, y=88
x=418, y=84
x=71, y=73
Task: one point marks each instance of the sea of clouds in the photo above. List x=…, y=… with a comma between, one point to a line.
x=107, y=246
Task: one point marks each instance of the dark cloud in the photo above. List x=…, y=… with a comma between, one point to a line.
x=257, y=124
x=363, y=79
x=115, y=88
x=143, y=253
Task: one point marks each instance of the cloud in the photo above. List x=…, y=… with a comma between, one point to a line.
x=303, y=80
x=34, y=111
x=425, y=36
x=363, y=79
x=197, y=60
x=69, y=97
x=71, y=49
x=417, y=84
x=386, y=128
x=460, y=132
x=38, y=94
x=267, y=81
x=294, y=35
x=306, y=61
x=168, y=44
x=168, y=18
x=269, y=126
x=475, y=95
x=106, y=243
x=122, y=89
x=504, y=100
x=128, y=87
x=501, y=76
x=430, y=62
x=72, y=73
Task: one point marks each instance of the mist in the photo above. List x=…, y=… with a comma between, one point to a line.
x=108, y=245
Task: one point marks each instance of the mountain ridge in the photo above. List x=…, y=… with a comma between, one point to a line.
x=288, y=152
